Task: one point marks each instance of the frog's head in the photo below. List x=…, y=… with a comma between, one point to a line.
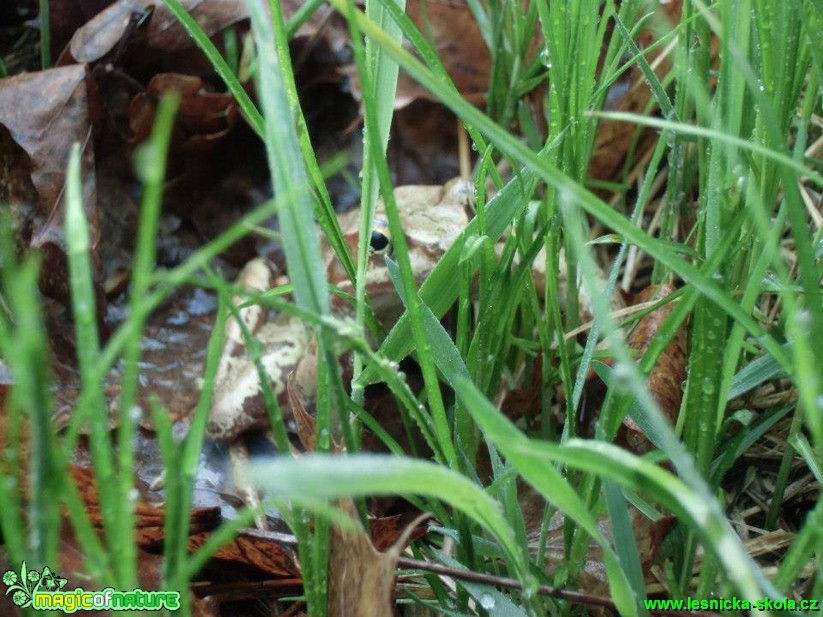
x=432, y=216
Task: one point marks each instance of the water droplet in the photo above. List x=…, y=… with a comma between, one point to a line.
x=135, y=413
x=708, y=386
x=487, y=601
x=804, y=320
x=622, y=373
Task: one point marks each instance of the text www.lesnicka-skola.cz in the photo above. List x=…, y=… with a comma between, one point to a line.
x=733, y=604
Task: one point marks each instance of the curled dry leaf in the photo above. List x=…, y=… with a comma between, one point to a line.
x=45, y=113
x=257, y=550
x=101, y=35
x=665, y=380
x=202, y=118
x=592, y=577
x=361, y=578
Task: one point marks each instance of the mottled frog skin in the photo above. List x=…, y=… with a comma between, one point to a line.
x=433, y=217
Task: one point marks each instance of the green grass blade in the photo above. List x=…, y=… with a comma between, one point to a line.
x=222, y=67
x=288, y=172
x=318, y=476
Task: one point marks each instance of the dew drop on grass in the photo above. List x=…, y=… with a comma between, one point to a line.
x=708, y=386
x=622, y=373
x=487, y=601
x=135, y=413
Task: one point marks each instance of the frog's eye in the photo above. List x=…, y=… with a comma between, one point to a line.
x=379, y=243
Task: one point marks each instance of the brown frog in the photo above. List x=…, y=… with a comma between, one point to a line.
x=433, y=216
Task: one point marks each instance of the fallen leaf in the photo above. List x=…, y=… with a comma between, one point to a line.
x=101, y=35
x=361, y=578
x=203, y=117
x=45, y=113
x=253, y=549
x=454, y=34
x=666, y=379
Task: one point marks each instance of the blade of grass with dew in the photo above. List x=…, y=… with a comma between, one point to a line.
x=90, y=400
x=546, y=479
x=151, y=167
x=91, y=404
x=401, y=252
x=301, y=246
x=325, y=211
x=300, y=243
x=593, y=205
x=378, y=78
x=28, y=444
x=609, y=461
x=321, y=476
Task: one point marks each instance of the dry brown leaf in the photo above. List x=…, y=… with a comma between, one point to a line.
x=203, y=117
x=251, y=549
x=630, y=94
x=255, y=550
x=100, y=36
x=665, y=380
x=45, y=113
x=149, y=518
x=361, y=578
x=592, y=578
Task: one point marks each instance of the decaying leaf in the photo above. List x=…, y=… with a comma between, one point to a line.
x=202, y=119
x=592, y=578
x=45, y=113
x=100, y=36
x=453, y=32
x=666, y=378
x=361, y=578
x=254, y=550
